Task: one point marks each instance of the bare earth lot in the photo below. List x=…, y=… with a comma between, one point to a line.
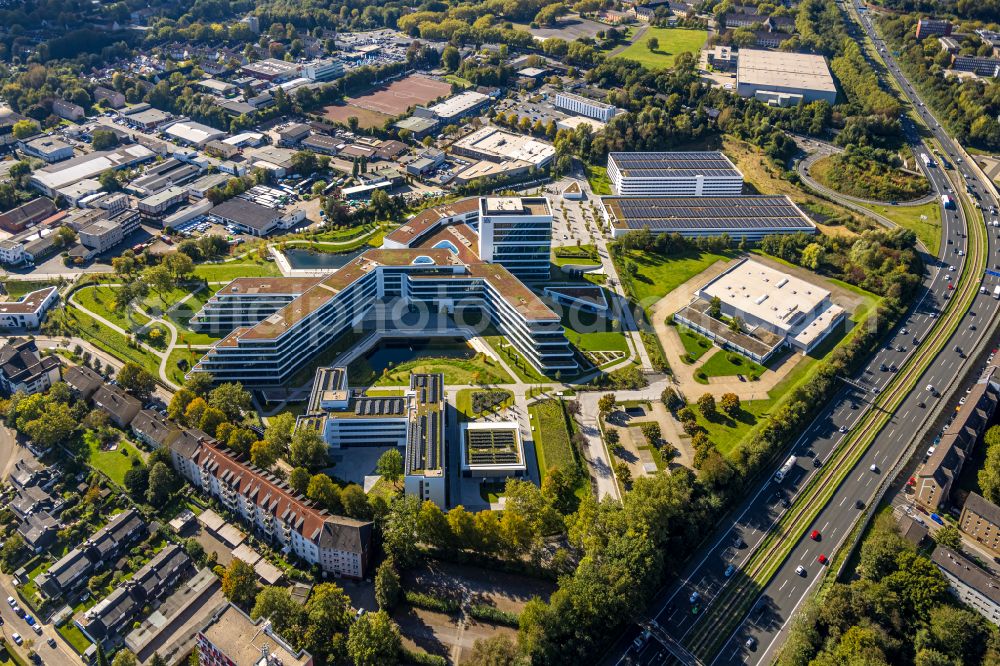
x=374, y=108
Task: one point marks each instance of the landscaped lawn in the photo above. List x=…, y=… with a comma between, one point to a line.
x=156, y=302
x=100, y=300
x=924, y=220
x=597, y=176
x=225, y=272
x=589, y=332
x=175, y=373
x=551, y=435
x=182, y=314
x=74, y=636
x=672, y=42
x=695, y=345
x=584, y=255
x=514, y=360
x=728, y=364
x=659, y=275
x=111, y=341
x=477, y=370
x=114, y=464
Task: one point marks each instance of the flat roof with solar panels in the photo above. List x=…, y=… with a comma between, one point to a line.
x=492, y=450
x=749, y=217
x=425, y=444
x=674, y=174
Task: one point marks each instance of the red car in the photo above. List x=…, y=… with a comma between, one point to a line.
x=950, y=286
x=822, y=559
x=814, y=535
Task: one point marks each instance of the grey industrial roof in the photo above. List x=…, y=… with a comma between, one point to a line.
x=706, y=213
x=246, y=213
x=674, y=165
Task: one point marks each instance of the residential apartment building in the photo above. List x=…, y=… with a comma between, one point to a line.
x=102, y=549
x=119, y=405
x=689, y=174
x=980, y=520
x=927, y=26
x=110, y=620
x=339, y=546
x=82, y=381
x=972, y=584
x=67, y=110
x=435, y=260
x=23, y=369
x=231, y=638
x=935, y=478
x=110, y=97
x=977, y=65
x=585, y=106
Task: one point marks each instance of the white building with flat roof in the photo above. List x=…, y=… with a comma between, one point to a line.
x=497, y=145
x=492, y=450
x=800, y=312
x=585, y=106
x=193, y=134
x=784, y=79
x=459, y=106
x=68, y=172
x=686, y=174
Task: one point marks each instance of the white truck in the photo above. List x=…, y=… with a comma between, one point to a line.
x=928, y=162
x=996, y=292
x=779, y=476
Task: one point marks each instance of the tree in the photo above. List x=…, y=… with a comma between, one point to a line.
x=137, y=482
x=390, y=465
x=715, y=307
x=355, y=502
x=307, y=449
x=157, y=660
x=374, y=640
x=180, y=265
x=125, y=657
x=387, y=585
x=328, y=616
x=195, y=410
x=450, y=58
x=324, y=491
x=498, y=650
x=606, y=403
x=264, y=454
x=159, y=279
x=948, y=536
x=653, y=44
x=103, y=139
x=102, y=659
x=284, y=613
x=12, y=552
x=706, y=403
x=179, y=404
x=136, y=380
x=161, y=484
x=279, y=430
x=623, y=472
x=211, y=419
x=55, y=424
x=730, y=403
x=671, y=399
x=298, y=479
x=400, y=533
x=239, y=582
x=24, y=128
x=199, y=383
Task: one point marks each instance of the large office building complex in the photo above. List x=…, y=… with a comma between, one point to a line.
x=436, y=260
x=777, y=310
x=692, y=174
x=784, y=79
x=741, y=217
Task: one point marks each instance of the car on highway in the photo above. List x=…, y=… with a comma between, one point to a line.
x=858, y=504
x=815, y=535
x=51, y=642
x=800, y=570
x=751, y=643
x=874, y=468
x=843, y=428
x=730, y=570
x=694, y=597
x=640, y=641
x=16, y=637
x=822, y=559
x=817, y=463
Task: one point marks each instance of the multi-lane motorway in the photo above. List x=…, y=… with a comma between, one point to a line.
x=752, y=633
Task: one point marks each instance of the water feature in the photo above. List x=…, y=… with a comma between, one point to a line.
x=304, y=259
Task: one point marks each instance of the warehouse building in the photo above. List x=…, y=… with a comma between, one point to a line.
x=247, y=216
x=458, y=107
x=71, y=171
x=193, y=134
x=497, y=145
x=748, y=217
x=689, y=174
x=784, y=79
x=48, y=148
x=777, y=310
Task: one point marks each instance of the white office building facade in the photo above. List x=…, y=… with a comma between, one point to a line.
x=585, y=107
x=691, y=174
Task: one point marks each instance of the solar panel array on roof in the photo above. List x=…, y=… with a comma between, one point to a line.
x=663, y=213
x=674, y=165
x=379, y=406
x=492, y=447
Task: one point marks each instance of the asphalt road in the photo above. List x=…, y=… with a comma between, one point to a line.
x=760, y=633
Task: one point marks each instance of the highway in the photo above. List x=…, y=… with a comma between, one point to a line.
x=753, y=633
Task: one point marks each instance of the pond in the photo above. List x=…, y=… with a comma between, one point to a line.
x=401, y=350
x=303, y=259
